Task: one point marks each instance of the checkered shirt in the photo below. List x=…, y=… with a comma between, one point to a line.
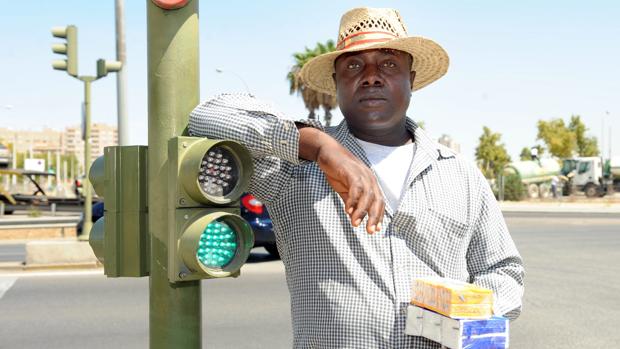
x=350, y=289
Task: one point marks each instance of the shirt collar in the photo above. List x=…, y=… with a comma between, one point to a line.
x=427, y=152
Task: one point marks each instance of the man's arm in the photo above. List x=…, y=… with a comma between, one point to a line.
x=267, y=134
x=347, y=175
x=492, y=258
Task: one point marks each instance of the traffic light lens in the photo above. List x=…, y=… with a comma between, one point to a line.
x=219, y=172
x=217, y=245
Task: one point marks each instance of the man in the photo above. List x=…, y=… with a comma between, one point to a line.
x=362, y=209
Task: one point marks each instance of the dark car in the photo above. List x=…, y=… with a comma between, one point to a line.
x=252, y=210
x=255, y=213
x=97, y=212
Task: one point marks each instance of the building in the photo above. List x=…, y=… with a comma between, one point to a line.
x=67, y=142
x=450, y=143
x=35, y=142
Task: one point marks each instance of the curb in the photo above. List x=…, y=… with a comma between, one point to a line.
x=6, y=268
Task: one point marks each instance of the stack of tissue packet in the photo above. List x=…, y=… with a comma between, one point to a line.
x=456, y=314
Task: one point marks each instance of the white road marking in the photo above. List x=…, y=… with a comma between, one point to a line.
x=54, y=273
x=269, y=267
x=5, y=284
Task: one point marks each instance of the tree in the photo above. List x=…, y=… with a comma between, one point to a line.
x=586, y=146
x=313, y=100
x=565, y=141
x=526, y=154
x=560, y=140
x=513, y=188
x=490, y=154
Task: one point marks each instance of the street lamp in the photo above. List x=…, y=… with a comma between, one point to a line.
x=247, y=89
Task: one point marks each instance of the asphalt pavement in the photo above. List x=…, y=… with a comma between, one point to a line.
x=571, y=299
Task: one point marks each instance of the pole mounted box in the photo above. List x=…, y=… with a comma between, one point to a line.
x=120, y=239
x=208, y=238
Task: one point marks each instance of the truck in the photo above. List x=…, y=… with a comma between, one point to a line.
x=536, y=175
x=595, y=176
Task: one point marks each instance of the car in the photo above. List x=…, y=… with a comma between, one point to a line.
x=252, y=210
x=255, y=213
x=97, y=212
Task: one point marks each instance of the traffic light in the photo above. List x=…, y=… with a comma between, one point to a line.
x=69, y=48
x=104, y=67
x=208, y=238
x=120, y=239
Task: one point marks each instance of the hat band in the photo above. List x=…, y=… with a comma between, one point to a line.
x=364, y=38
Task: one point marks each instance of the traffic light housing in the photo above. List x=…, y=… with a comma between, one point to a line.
x=120, y=239
x=69, y=48
x=104, y=67
x=208, y=238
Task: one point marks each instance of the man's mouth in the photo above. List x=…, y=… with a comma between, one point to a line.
x=372, y=101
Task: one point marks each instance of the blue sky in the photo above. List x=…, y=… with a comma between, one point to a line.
x=512, y=63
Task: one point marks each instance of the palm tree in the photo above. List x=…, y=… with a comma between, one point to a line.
x=313, y=100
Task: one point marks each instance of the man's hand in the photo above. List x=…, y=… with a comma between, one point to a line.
x=347, y=175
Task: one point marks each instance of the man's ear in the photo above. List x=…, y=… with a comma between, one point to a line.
x=412, y=77
x=334, y=77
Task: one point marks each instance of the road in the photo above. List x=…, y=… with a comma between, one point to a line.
x=572, y=297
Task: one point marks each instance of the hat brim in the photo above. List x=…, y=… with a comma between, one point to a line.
x=430, y=62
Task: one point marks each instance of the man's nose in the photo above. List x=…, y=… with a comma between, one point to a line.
x=371, y=76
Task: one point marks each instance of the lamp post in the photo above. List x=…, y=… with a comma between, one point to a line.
x=221, y=71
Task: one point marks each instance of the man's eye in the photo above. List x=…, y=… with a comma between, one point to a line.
x=389, y=64
x=353, y=66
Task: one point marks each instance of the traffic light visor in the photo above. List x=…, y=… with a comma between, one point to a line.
x=216, y=244
x=215, y=172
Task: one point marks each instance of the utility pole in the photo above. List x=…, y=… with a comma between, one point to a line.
x=70, y=65
x=192, y=229
x=121, y=82
x=173, y=91
x=609, y=138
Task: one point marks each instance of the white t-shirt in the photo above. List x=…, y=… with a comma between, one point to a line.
x=391, y=165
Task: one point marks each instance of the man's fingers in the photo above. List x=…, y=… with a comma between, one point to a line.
x=355, y=192
x=375, y=216
x=362, y=207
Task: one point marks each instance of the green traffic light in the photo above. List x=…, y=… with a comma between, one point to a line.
x=217, y=245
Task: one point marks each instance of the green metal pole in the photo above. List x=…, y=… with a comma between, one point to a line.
x=173, y=82
x=88, y=195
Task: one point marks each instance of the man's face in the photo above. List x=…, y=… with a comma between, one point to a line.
x=374, y=87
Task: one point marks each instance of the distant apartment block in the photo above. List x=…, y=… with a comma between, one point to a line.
x=450, y=143
x=66, y=142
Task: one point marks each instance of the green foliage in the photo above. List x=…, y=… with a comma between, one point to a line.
x=559, y=139
x=490, y=154
x=526, y=154
x=586, y=146
x=564, y=141
x=513, y=188
x=313, y=100
x=34, y=211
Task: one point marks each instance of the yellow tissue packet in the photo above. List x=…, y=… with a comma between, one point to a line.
x=453, y=298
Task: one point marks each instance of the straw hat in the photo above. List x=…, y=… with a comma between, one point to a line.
x=375, y=28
